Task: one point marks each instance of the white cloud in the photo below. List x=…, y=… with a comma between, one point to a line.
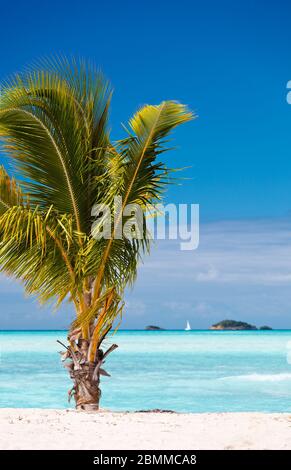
x=241, y=270
x=210, y=275
x=242, y=252
x=135, y=307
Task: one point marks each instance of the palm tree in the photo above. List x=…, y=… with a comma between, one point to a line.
x=54, y=131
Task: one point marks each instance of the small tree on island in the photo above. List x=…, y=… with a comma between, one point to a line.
x=54, y=130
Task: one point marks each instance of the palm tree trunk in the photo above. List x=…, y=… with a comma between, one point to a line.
x=85, y=374
x=86, y=389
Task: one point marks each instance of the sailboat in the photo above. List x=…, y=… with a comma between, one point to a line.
x=188, y=326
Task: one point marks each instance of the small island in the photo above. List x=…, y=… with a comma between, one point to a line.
x=232, y=325
x=154, y=328
x=265, y=327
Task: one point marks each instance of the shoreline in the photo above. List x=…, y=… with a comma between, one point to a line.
x=48, y=429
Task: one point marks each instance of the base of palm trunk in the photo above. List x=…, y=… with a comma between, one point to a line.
x=86, y=391
x=85, y=375
x=87, y=407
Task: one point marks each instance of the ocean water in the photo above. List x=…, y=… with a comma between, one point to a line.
x=197, y=371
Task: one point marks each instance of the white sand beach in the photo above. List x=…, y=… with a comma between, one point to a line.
x=69, y=429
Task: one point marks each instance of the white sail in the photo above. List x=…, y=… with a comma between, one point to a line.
x=188, y=326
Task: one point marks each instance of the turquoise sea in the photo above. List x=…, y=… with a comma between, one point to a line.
x=198, y=371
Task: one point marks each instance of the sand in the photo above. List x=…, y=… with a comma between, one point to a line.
x=68, y=429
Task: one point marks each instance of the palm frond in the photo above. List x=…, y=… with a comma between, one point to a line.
x=140, y=179
x=10, y=191
x=36, y=248
x=52, y=123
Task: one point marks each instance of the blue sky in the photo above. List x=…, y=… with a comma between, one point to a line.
x=230, y=62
